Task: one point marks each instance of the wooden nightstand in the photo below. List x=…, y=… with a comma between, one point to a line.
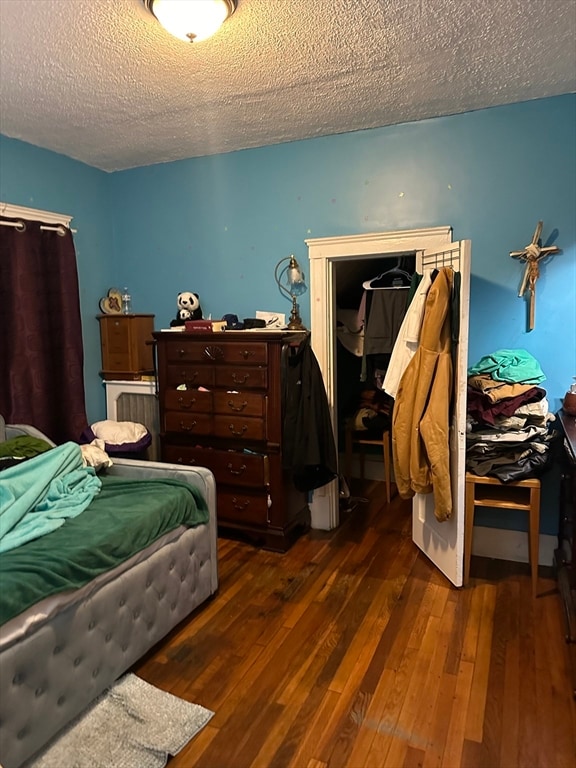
x=127, y=346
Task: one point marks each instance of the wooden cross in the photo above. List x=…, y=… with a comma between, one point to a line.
x=532, y=255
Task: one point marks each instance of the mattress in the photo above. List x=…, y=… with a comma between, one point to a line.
x=126, y=516
x=59, y=655
x=31, y=620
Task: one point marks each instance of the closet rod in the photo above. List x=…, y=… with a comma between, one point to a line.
x=21, y=226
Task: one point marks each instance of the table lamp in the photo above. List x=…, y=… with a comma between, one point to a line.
x=291, y=282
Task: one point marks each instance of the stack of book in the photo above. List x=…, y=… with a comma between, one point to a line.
x=205, y=326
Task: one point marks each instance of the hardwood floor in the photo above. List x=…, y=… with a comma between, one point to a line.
x=352, y=650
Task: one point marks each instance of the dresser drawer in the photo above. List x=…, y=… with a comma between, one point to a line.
x=118, y=361
x=185, y=350
x=228, y=467
x=240, y=507
x=237, y=377
x=191, y=375
x=191, y=400
x=192, y=350
x=245, y=352
x=117, y=336
x=188, y=423
x=245, y=403
x=241, y=427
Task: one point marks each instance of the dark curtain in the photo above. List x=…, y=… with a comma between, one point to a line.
x=41, y=353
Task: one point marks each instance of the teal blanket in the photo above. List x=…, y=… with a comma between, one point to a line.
x=510, y=365
x=37, y=495
x=123, y=519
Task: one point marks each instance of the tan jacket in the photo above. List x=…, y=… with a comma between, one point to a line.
x=420, y=420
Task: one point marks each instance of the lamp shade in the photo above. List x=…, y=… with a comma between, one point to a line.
x=191, y=20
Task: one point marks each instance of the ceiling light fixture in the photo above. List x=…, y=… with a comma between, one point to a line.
x=191, y=20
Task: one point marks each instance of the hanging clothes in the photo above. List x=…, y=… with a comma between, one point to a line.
x=408, y=336
x=385, y=311
x=350, y=331
x=385, y=316
x=421, y=416
x=309, y=448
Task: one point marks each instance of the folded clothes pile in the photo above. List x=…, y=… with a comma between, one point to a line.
x=509, y=433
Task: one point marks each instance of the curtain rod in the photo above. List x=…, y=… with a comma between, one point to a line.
x=21, y=227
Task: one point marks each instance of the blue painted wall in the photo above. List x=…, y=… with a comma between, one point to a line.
x=36, y=178
x=218, y=225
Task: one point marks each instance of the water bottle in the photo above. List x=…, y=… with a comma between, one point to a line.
x=126, y=302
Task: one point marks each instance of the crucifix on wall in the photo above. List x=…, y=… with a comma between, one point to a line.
x=532, y=254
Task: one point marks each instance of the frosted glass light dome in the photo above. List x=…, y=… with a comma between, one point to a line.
x=191, y=20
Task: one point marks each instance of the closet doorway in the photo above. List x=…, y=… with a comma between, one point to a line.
x=441, y=542
x=359, y=398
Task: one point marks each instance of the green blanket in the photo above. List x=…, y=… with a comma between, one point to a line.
x=23, y=446
x=125, y=517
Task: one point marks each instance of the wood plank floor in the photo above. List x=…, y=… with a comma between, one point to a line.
x=352, y=650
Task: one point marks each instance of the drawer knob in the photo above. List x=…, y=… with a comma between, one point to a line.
x=240, y=379
x=239, y=407
x=186, y=404
x=240, y=505
x=235, y=431
x=182, y=352
x=236, y=471
x=187, y=427
x=246, y=353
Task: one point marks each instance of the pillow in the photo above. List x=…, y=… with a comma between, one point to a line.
x=119, y=432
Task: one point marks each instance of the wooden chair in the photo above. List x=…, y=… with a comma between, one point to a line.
x=491, y=492
x=360, y=438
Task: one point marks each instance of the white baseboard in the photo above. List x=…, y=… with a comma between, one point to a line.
x=498, y=543
x=502, y=544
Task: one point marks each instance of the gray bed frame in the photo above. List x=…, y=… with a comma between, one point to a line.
x=50, y=673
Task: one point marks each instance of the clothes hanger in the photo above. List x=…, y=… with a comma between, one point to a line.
x=391, y=279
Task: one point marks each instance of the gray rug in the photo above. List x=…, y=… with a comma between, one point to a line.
x=131, y=725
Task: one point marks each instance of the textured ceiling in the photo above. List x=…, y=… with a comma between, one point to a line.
x=102, y=82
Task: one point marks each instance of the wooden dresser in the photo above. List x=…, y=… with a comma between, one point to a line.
x=220, y=407
x=127, y=346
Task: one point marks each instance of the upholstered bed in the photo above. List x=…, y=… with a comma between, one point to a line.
x=58, y=655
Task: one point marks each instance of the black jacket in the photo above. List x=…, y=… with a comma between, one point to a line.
x=309, y=450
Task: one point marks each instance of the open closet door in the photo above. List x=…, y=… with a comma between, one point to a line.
x=443, y=542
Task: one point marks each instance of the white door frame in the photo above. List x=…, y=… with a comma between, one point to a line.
x=323, y=253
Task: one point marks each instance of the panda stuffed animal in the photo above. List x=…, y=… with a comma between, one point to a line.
x=188, y=308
